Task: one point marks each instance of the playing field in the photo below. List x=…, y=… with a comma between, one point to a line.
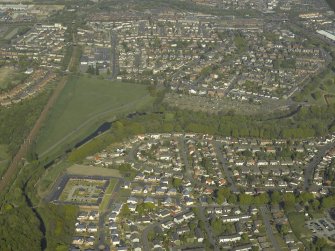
x=85, y=103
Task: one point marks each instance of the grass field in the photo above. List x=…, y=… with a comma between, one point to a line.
x=11, y=34
x=4, y=161
x=84, y=104
x=297, y=222
x=92, y=171
x=5, y=75
x=321, y=88
x=9, y=77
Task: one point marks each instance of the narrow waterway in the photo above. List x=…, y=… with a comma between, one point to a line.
x=38, y=216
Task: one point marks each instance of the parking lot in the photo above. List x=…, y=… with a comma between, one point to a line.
x=324, y=227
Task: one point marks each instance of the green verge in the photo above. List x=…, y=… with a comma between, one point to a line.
x=108, y=194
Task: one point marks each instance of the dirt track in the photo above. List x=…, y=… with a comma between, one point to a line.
x=16, y=162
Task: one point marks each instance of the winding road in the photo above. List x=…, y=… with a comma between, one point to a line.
x=310, y=168
x=223, y=161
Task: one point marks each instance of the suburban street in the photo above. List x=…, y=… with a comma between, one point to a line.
x=265, y=214
x=158, y=224
x=183, y=152
x=310, y=168
x=208, y=228
x=103, y=215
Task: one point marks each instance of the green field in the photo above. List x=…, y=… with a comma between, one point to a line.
x=297, y=222
x=92, y=171
x=9, y=77
x=84, y=104
x=316, y=91
x=11, y=34
x=3, y=158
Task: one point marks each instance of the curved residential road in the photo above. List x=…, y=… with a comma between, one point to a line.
x=310, y=168
x=224, y=164
x=265, y=214
x=208, y=229
x=87, y=122
x=102, y=218
x=16, y=163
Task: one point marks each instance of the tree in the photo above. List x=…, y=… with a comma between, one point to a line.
x=289, y=200
x=151, y=235
x=245, y=199
x=261, y=199
x=90, y=69
x=320, y=243
x=232, y=199
x=176, y=182
x=284, y=229
x=315, y=204
x=125, y=211
x=305, y=197
x=275, y=197
x=328, y=202
x=245, y=237
x=217, y=226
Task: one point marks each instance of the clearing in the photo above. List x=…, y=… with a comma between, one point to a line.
x=84, y=104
